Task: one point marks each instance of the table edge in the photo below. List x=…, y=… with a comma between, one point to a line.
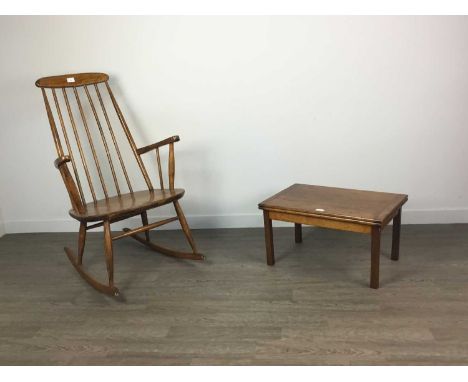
x=344, y=218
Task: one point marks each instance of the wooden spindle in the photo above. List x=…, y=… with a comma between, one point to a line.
x=109, y=158
x=90, y=139
x=158, y=158
x=53, y=127
x=129, y=138
x=111, y=131
x=171, y=166
x=67, y=141
x=78, y=143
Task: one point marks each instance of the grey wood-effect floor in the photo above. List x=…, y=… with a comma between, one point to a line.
x=313, y=307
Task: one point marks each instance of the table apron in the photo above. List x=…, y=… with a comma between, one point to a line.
x=320, y=222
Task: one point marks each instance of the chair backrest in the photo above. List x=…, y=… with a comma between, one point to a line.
x=89, y=134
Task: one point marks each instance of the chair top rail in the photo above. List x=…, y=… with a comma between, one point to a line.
x=71, y=80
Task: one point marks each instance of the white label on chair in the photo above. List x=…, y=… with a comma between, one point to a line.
x=71, y=79
x=319, y=210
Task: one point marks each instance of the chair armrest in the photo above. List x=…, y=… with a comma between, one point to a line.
x=70, y=184
x=61, y=160
x=145, y=149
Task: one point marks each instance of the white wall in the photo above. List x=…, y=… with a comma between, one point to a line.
x=375, y=103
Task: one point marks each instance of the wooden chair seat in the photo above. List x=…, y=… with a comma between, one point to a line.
x=126, y=205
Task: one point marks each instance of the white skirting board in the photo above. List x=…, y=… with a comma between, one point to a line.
x=442, y=216
x=2, y=225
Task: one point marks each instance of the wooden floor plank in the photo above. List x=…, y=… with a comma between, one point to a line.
x=313, y=308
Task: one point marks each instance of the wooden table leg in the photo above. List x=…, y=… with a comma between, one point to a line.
x=269, y=238
x=375, y=257
x=298, y=232
x=396, y=236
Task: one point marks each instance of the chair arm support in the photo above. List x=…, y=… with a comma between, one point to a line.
x=145, y=149
x=61, y=160
x=70, y=183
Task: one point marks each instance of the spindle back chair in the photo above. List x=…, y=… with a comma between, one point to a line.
x=88, y=116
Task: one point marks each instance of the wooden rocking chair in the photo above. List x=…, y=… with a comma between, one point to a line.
x=65, y=90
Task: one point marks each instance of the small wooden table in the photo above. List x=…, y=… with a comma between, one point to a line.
x=336, y=208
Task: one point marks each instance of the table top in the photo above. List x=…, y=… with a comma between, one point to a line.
x=337, y=203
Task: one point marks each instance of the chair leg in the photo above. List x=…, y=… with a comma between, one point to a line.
x=108, y=251
x=76, y=261
x=81, y=243
x=185, y=226
x=144, y=220
x=166, y=251
x=194, y=255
